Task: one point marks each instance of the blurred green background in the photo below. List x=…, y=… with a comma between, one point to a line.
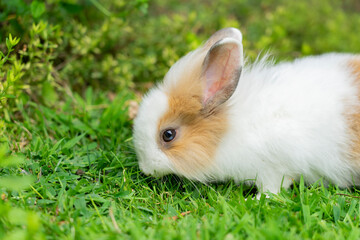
x=110, y=45
x=70, y=72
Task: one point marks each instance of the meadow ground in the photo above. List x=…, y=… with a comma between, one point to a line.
x=71, y=73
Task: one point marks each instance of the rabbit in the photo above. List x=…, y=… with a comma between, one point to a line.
x=215, y=118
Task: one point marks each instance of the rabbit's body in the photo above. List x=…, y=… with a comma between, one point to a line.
x=215, y=119
x=293, y=119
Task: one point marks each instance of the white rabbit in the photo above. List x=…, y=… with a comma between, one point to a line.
x=214, y=118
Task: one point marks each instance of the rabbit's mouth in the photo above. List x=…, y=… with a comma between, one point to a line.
x=154, y=173
x=155, y=168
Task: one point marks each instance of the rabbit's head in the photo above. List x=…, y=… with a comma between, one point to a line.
x=181, y=122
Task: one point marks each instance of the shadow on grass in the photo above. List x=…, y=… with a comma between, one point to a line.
x=175, y=184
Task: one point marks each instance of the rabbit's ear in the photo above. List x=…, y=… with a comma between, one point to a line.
x=221, y=34
x=221, y=71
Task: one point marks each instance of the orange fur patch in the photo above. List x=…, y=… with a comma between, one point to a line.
x=354, y=118
x=198, y=133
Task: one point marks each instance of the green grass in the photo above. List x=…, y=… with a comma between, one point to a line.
x=87, y=185
x=67, y=164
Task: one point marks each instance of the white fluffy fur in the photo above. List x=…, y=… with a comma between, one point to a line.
x=286, y=121
x=151, y=159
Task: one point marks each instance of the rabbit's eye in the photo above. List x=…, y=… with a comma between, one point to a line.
x=169, y=135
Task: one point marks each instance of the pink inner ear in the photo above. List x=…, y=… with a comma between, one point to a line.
x=219, y=71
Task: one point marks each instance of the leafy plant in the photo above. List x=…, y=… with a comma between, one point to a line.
x=10, y=76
